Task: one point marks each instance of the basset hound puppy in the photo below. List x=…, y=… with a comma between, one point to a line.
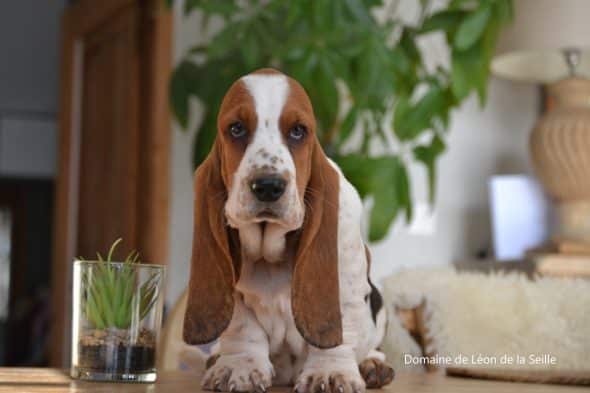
x=279, y=269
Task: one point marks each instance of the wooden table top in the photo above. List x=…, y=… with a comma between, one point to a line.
x=46, y=380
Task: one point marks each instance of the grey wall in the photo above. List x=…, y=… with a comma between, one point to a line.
x=29, y=79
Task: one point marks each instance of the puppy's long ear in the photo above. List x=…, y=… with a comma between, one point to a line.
x=210, y=296
x=315, y=297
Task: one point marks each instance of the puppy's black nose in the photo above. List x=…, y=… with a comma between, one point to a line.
x=268, y=189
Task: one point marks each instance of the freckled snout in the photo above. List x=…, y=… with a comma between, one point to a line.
x=268, y=189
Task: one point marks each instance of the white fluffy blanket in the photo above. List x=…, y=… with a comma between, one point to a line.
x=500, y=321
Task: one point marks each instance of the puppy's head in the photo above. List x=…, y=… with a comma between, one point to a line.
x=266, y=128
x=266, y=165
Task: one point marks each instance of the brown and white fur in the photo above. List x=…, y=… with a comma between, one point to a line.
x=283, y=284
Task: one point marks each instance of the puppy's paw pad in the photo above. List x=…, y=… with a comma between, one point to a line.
x=376, y=373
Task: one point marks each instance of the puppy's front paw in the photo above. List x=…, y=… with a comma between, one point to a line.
x=238, y=373
x=326, y=379
x=376, y=373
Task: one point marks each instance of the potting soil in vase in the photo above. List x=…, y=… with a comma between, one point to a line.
x=117, y=351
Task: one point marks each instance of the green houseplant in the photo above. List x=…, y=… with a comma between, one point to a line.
x=379, y=107
x=117, y=313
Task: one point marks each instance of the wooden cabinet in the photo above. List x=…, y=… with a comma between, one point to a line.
x=113, y=178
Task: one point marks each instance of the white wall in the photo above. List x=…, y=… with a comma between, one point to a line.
x=481, y=143
x=187, y=32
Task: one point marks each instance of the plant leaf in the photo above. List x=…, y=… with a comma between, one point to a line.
x=359, y=10
x=347, y=126
x=472, y=28
x=386, y=203
x=427, y=155
x=447, y=20
x=204, y=138
x=355, y=167
x=103, y=296
x=403, y=191
x=373, y=3
x=385, y=209
x=182, y=85
x=94, y=314
x=179, y=96
x=467, y=71
x=251, y=52
x=385, y=179
x=322, y=91
x=124, y=313
x=408, y=44
x=112, y=249
x=410, y=121
x=189, y=5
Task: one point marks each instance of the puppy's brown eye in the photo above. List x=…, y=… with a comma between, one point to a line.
x=297, y=132
x=237, y=130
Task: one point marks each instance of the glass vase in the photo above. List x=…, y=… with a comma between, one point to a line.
x=116, y=320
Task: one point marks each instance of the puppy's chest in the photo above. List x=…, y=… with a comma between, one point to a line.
x=266, y=291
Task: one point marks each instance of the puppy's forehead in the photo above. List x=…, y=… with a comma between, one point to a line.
x=263, y=96
x=269, y=92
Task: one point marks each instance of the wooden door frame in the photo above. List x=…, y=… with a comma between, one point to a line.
x=80, y=19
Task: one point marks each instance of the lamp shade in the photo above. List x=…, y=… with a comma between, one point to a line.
x=530, y=49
